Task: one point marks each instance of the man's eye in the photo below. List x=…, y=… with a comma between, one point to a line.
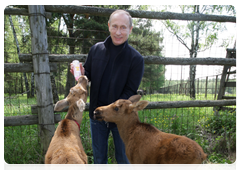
x=116, y=109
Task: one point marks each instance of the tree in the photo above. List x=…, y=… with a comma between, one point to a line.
x=202, y=34
x=15, y=29
x=18, y=52
x=147, y=42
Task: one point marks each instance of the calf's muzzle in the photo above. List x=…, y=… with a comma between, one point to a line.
x=97, y=115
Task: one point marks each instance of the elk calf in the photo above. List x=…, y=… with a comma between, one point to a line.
x=66, y=146
x=144, y=143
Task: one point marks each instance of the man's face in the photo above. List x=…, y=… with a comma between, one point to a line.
x=119, y=28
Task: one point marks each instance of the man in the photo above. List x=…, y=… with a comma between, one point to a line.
x=115, y=70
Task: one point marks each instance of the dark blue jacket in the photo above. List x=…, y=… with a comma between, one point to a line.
x=126, y=75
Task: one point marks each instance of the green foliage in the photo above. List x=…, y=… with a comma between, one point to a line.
x=221, y=132
x=226, y=122
x=21, y=145
x=219, y=159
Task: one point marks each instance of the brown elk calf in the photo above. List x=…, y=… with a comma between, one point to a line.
x=144, y=143
x=66, y=146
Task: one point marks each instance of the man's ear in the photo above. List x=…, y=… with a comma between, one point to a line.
x=60, y=105
x=135, y=98
x=109, y=26
x=130, y=31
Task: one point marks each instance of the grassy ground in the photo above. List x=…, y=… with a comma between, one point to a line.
x=216, y=134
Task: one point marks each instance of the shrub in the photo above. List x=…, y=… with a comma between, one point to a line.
x=221, y=132
x=219, y=124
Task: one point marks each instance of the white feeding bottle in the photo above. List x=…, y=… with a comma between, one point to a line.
x=76, y=69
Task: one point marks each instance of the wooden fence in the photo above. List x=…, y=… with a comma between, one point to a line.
x=183, y=87
x=45, y=115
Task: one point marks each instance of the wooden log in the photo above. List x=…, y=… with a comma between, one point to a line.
x=25, y=67
x=21, y=11
x=222, y=83
x=168, y=105
x=56, y=57
x=42, y=74
x=95, y=11
x=147, y=59
x=34, y=108
x=26, y=120
x=188, y=61
x=192, y=103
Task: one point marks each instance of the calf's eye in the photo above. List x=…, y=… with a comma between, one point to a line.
x=116, y=108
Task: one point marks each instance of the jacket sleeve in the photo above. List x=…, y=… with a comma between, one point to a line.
x=134, y=78
x=87, y=64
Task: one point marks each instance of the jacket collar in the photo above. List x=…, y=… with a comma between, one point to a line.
x=109, y=40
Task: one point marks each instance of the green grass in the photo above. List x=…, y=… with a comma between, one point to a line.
x=22, y=143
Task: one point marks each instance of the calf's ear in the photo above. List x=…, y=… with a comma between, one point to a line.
x=61, y=105
x=81, y=105
x=135, y=98
x=141, y=105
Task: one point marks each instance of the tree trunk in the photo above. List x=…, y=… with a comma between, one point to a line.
x=70, y=78
x=193, y=54
x=192, y=69
x=18, y=51
x=54, y=88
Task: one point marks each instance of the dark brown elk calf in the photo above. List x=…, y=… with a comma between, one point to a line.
x=143, y=142
x=66, y=146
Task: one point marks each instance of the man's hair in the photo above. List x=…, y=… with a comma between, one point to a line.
x=124, y=12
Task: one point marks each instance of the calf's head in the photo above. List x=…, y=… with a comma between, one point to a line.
x=120, y=110
x=76, y=100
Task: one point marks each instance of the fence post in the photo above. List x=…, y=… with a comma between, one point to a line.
x=215, y=94
x=198, y=86
x=42, y=74
x=206, y=87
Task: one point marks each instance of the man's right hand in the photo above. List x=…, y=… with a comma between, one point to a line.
x=81, y=68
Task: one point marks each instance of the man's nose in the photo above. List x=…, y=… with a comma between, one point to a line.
x=118, y=31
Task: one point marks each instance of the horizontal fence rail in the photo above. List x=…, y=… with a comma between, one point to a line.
x=20, y=11
x=168, y=105
x=25, y=67
x=95, y=11
x=26, y=120
x=33, y=119
x=147, y=59
x=192, y=103
x=55, y=58
x=138, y=14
